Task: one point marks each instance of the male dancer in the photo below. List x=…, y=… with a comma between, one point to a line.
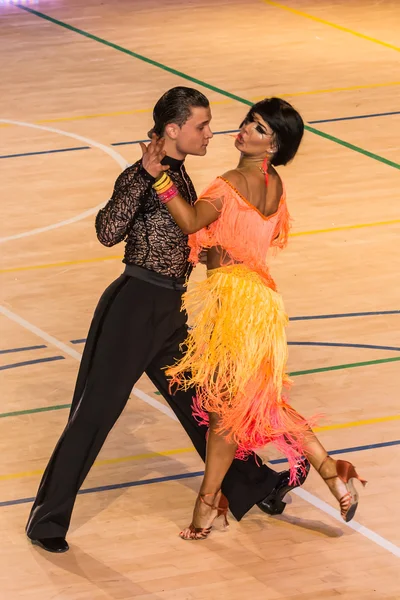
x=137, y=328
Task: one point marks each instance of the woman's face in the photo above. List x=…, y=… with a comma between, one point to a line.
x=256, y=137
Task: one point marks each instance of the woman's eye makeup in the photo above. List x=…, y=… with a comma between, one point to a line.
x=259, y=128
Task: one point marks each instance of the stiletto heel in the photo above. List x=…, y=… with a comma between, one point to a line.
x=347, y=474
x=201, y=533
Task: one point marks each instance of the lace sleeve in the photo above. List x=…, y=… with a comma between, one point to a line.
x=115, y=219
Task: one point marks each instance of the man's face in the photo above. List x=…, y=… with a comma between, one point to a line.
x=194, y=135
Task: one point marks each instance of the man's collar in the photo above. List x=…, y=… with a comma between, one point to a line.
x=173, y=163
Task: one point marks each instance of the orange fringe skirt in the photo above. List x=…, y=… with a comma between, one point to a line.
x=236, y=354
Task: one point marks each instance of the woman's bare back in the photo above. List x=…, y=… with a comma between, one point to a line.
x=250, y=183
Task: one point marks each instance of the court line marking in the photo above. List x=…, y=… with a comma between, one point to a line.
x=349, y=88
x=314, y=500
x=365, y=531
x=146, y=398
x=40, y=333
x=121, y=113
x=107, y=461
x=31, y=362
x=300, y=13
x=303, y=494
x=343, y=345
x=308, y=497
x=175, y=451
x=64, y=263
x=133, y=142
x=77, y=356
x=366, y=363
x=110, y=151
x=42, y=152
x=346, y=315
x=318, y=344
x=24, y=349
x=68, y=263
x=290, y=343
x=355, y=117
x=190, y=449
x=345, y=228
x=204, y=84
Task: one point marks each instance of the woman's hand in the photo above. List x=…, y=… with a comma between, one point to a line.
x=152, y=156
x=203, y=256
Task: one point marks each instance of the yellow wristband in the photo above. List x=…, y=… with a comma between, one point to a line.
x=164, y=187
x=161, y=181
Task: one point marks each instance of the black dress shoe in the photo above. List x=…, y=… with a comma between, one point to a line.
x=56, y=544
x=273, y=503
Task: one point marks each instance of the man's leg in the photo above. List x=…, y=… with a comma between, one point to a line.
x=247, y=482
x=127, y=339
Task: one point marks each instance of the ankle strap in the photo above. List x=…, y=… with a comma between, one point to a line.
x=202, y=496
x=320, y=467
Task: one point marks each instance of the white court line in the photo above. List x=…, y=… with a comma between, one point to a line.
x=368, y=533
x=40, y=333
x=155, y=404
x=110, y=151
x=310, y=498
x=77, y=355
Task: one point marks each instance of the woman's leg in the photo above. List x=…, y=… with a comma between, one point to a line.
x=337, y=474
x=219, y=456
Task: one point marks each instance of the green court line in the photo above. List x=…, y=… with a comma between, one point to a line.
x=159, y=65
x=293, y=374
x=366, y=363
x=16, y=413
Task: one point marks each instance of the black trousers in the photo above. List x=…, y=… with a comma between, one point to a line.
x=137, y=328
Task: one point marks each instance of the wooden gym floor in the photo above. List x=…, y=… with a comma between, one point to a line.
x=78, y=82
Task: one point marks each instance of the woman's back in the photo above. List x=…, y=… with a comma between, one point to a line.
x=260, y=190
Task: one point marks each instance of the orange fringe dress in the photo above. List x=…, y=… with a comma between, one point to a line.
x=236, y=349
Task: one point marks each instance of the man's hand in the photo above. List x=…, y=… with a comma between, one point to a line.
x=152, y=156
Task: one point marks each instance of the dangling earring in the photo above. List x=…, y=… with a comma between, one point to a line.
x=264, y=168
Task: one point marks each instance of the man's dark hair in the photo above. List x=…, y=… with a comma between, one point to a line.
x=175, y=106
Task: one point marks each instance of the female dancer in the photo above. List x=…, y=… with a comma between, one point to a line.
x=237, y=350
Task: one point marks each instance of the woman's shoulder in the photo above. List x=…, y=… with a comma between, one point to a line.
x=275, y=181
x=237, y=180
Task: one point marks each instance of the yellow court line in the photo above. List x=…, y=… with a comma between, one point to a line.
x=334, y=25
x=344, y=228
x=107, y=461
x=121, y=113
x=357, y=423
x=118, y=113
x=122, y=459
x=65, y=263
x=332, y=90
x=105, y=258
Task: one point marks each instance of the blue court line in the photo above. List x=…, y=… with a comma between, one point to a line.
x=46, y=152
x=131, y=142
x=22, y=349
x=303, y=318
x=334, y=344
x=177, y=477
x=345, y=315
x=369, y=116
x=31, y=362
